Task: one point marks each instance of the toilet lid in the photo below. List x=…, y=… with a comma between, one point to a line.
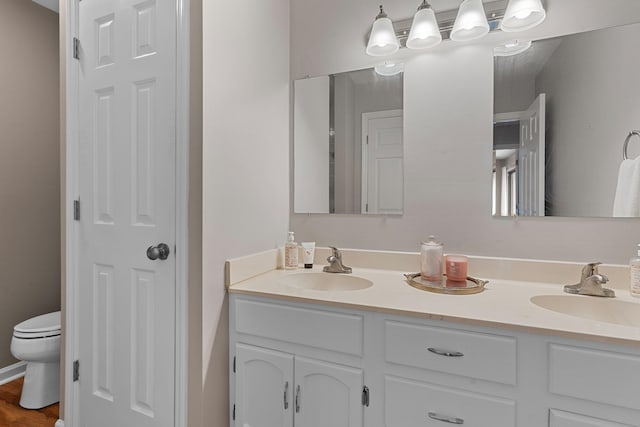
x=44, y=325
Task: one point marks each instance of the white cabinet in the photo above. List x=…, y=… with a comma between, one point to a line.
x=306, y=365
x=327, y=394
x=291, y=365
x=276, y=389
x=264, y=380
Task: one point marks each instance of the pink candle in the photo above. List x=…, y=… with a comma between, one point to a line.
x=456, y=266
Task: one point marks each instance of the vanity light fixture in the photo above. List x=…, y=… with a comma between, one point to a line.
x=522, y=15
x=424, y=31
x=471, y=22
x=389, y=68
x=512, y=47
x=382, y=40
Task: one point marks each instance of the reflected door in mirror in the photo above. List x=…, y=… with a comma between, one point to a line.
x=382, y=172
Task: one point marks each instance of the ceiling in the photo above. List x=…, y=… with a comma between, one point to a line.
x=405, y=9
x=509, y=71
x=49, y=4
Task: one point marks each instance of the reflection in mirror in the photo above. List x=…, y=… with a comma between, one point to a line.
x=562, y=111
x=348, y=149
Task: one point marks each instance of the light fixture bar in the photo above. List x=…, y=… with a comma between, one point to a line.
x=494, y=11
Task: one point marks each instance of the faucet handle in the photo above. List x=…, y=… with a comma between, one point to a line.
x=335, y=252
x=599, y=278
x=590, y=270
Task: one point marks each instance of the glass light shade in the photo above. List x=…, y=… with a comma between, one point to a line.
x=389, y=68
x=424, y=30
x=471, y=22
x=512, y=47
x=383, y=40
x=522, y=15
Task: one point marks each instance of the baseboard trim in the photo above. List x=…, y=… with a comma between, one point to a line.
x=59, y=423
x=12, y=372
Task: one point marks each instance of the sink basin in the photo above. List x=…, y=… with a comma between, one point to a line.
x=593, y=308
x=326, y=282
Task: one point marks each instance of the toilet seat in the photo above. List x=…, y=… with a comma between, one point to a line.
x=44, y=326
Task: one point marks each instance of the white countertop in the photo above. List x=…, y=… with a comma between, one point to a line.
x=503, y=303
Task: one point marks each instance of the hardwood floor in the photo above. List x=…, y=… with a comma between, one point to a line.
x=12, y=415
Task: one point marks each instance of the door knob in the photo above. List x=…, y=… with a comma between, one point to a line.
x=161, y=251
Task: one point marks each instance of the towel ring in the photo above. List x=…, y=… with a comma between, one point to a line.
x=626, y=143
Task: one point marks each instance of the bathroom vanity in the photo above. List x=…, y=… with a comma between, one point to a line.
x=391, y=355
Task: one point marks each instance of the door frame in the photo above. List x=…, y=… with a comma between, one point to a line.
x=364, y=176
x=71, y=191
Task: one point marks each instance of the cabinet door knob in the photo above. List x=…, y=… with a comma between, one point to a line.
x=445, y=419
x=447, y=353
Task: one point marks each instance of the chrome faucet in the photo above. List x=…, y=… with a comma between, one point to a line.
x=591, y=283
x=335, y=262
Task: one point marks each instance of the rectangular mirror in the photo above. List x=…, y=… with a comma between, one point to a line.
x=563, y=110
x=348, y=144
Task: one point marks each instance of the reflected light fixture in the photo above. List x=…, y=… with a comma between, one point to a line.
x=522, y=15
x=382, y=40
x=424, y=31
x=389, y=68
x=512, y=47
x=471, y=22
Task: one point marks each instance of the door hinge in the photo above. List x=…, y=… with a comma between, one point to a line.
x=365, y=396
x=76, y=48
x=234, y=364
x=76, y=370
x=233, y=416
x=76, y=210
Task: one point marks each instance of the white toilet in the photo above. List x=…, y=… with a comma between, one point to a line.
x=37, y=342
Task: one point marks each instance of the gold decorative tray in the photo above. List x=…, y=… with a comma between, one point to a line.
x=446, y=286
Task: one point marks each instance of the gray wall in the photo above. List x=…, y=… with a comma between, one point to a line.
x=593, y=101
x=344, y=99
x=246, y=100
x=29, y=167
x=448, y=133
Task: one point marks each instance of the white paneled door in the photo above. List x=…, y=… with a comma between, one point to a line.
x=127, y=145
x=382, y=162
x=531, y=160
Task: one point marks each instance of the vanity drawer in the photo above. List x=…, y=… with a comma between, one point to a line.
x=471, y=354
x=315, y=328
x=558, y=418
x=409, y=403
x=599, y=376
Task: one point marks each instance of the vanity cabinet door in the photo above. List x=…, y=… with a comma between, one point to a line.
x=327, y=395
x=264, y=384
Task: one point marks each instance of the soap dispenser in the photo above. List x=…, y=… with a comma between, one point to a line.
x=291, y=253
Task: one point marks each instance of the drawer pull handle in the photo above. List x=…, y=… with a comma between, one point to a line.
x=286, y=395
x=445, y=419
x=447, y=353
x=298, y=399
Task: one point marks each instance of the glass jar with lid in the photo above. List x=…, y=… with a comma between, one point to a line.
x=431, y=259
